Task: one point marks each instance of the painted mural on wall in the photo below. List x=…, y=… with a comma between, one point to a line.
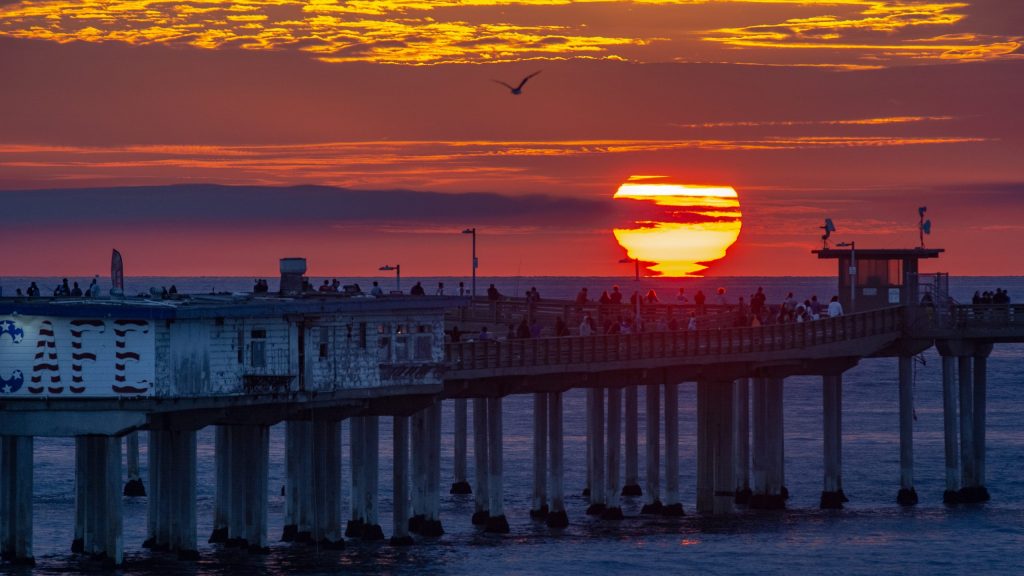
x=76, y=357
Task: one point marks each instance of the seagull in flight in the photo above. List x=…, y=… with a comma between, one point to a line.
x=517, y=90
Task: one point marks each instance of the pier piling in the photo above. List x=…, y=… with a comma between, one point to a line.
x=832, y=495
x=98, y=501
x=557, y=517
x=741, y=439
x=673, y=506
x=949, y=421
x=460, y=484
x=769, y=452
x=613, y=510
x=400, y=472
x=16, y=483
x=981, y=353
x=134, y=486
x=496, y=521
x=482, y=496
x=631, y=486
x=907, y=495
x=598, y=496
x=653, y=450
x=540, y=432
x=172, y=500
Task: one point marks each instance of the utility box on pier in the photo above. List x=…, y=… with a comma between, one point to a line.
x=877, y=277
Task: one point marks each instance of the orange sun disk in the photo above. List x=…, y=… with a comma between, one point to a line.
x=675, y=246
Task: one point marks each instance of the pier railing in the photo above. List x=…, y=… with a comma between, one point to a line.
x=568, y=350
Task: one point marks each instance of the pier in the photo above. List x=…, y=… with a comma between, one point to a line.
x=102, y=371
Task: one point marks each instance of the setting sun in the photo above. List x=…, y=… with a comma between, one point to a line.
x=695, y=224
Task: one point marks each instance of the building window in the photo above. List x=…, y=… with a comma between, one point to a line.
x=324, y=342
x=424, y=351
x=258, y=349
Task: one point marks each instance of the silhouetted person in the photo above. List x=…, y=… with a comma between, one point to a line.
x=835, y=308
x=417, y=290
x=616, y=296
x=33, y=290
x=699, y=299
x=376, y=290
x=493, y=294
x=64, y=289
x=523, y=330
x=76, y=291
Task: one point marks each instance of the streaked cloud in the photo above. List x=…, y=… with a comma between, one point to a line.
x=847, y=122
x=847, y=34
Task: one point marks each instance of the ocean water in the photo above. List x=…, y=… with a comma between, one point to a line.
x=872, y=535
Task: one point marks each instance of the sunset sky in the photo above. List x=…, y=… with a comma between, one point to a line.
x=366, y=132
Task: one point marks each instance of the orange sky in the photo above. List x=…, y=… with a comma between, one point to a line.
x=858, y=110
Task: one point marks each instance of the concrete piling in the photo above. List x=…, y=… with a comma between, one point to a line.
x=432, y=448
x=400, y=471
x=98, y=501
x=496, y=521
x=325, y=484
x=356, y=525
x=980, y=407
x=631, y=485
x=907, y=496
x=134, y=486
x=557, y=517
x=370, y=481
x=481, y=462
x=298, y=504
x=539, y=507
x=16, y=484
x=949, y=421
x=460, y=484
x=832, y=495
x=673, y=506
x=716, y=485
x=741, y=439
x=172, y=499
x=653, y=450
x=222, y=480
x=769, y=491
x=598, y=495
x=613, y=510
x=248, y=464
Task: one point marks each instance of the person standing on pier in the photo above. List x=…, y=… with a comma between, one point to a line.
x=376, y=290
x=835, y=308
x=440, y=289
x=699, y=299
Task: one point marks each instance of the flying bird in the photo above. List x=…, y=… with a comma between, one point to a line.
x=517, y=90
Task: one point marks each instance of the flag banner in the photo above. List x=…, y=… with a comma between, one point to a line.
x=117, y=271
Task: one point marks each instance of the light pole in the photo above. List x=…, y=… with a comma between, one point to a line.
x=398, y=274
x=852, y=272
x=472, y=231
x=636, y=271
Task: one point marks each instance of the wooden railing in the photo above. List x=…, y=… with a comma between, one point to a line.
x=492, y=354
x=988, y=315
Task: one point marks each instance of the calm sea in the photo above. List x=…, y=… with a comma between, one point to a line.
x=872, y=535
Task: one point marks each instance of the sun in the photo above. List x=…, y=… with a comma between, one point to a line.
x=679, y=228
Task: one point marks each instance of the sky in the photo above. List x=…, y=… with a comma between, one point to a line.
x=214, y=137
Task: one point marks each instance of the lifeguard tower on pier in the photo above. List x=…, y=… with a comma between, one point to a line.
x=879, y=277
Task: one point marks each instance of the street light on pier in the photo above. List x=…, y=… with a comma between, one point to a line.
x=636, y=270
x=475, y=264
x=852, y=272
x=398, y=274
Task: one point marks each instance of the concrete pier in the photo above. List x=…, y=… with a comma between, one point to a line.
x=134, y=486
x=673, y=506
x=172, y=500
x=907, y=495
x=298, y=503
x=653, y=450
x=248, y=461
x=98, y=518
x=400, y=471
x=832, y=495
x=741, y=439
x=356, y=526
x=966, y=401
x=613, y=510
x=16, y=483
x=949, y=421
x=598, y=495
x=370, y=431
x=981, y=353
x=432, y=449
x=716, y=482
x=768, y=447
x=325, y=484
x=557, y=517
x=481, y=508
x=460, y=484
x=539, y=507
x=496, y=521
x=631, y=486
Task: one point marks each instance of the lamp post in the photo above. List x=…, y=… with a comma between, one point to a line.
x=636, y=271
x=472, y=231
x=852, y=272
x=398, y=274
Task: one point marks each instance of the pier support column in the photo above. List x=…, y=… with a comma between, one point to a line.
x=949, y=421
x=653, y=450
x=741, y=439
x=326, y=484
x=98, y=501
x=716, y=482
x=540, y=456
x=966, y=400
x=589, y=428
x=370, y=482
x=981, y=353
x=673, y=505
x=907, y=495
x=418, y=490
x=496, y=522
x=356, y=526
x=432, y=524
x=134, y=486
x=460, y=485
x=598, y=496
x=481, y=462
x=298, y=503
x=248, y=463
x=222, y=482
x=16, y=482
x=832, y=495
x=172, y=499
x=769, y=492
x=631, y=487
x=400, y=470
x=557, y=518
x=613, y=510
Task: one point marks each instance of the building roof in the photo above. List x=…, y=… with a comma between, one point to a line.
x=880, y=253
x=238, y=305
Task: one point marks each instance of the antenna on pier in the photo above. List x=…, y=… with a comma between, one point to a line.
x=923, y=226
x=829, y=228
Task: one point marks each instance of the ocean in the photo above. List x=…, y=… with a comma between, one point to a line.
x=871, y=535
